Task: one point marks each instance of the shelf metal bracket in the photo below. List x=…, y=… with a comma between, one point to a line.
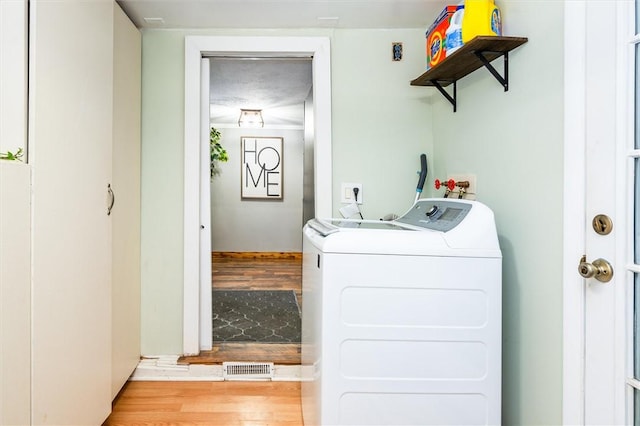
x=504, y=81
x=451, y=99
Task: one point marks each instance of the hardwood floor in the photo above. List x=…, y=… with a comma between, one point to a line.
x=254, y=271
x=278, y=353
x=226, y=403
x=257, y=271
x=208, y=403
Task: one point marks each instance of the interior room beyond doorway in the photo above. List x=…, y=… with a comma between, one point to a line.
x=318, y=123
x=256, y=243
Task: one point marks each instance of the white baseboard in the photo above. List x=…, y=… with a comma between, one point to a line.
x=166, y=368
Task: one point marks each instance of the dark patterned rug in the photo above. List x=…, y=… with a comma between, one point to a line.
x=265, y=316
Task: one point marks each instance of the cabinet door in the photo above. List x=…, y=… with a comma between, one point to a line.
x=126, y=210
x=70, y=139
x=15, y=292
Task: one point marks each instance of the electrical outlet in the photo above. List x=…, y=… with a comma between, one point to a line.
x=347, y=195
x=471, y=191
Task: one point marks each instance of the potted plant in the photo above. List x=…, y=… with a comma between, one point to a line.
x=12, y=156
x=217, y=151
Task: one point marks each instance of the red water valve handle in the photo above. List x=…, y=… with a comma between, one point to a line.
x=450, y=184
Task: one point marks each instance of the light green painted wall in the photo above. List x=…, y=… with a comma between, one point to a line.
x=380, y=126
x=162, y=189
x=513, y=142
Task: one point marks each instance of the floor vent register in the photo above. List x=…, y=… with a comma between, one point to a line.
x=247, y=370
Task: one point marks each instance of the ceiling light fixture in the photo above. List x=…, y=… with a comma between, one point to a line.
x=250, y=118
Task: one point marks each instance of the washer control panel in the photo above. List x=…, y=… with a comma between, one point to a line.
x=439, y=215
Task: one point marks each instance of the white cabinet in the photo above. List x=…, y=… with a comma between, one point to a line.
x=125, y=218
x=15, y=293
x=78, y=108
x=15, y=221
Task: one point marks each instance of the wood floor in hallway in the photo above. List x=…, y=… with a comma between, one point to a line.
x=208, y=403
x=254, y=271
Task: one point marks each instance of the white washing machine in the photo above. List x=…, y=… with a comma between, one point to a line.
x=401, y=320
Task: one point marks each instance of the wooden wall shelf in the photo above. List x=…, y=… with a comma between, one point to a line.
x=479, y=52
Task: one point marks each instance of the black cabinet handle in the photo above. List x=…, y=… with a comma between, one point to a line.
x=112, y=199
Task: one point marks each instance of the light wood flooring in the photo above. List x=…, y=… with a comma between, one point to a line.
x=226, y=403
x=208, y=403
x=254, y=271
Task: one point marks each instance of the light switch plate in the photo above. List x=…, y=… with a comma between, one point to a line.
x=347, y=195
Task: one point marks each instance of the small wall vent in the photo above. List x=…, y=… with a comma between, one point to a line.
x=247, y=370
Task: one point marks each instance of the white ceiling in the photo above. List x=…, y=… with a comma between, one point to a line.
x=277, y=87
x=282, y=13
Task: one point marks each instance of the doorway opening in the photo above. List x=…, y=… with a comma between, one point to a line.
x=197, y=260
x=258, y=209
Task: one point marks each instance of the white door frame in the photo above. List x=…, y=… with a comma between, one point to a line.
x=195, y=48
x=574, y=211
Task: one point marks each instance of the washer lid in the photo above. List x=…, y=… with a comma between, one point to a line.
x=329, y=226
x=469, y=230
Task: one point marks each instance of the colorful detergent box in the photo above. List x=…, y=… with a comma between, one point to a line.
x=436, y=36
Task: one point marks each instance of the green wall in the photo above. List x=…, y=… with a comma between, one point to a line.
x=162, y=190
x=511, y=141
x=381, y=124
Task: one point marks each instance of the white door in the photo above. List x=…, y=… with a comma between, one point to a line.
x=601, y=152
x=70, y=134
x=206, y=324
x=125, y=216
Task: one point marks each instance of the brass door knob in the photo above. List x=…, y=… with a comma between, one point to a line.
x=599, y=269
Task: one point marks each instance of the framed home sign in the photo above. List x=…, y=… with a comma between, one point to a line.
x=261, y=168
